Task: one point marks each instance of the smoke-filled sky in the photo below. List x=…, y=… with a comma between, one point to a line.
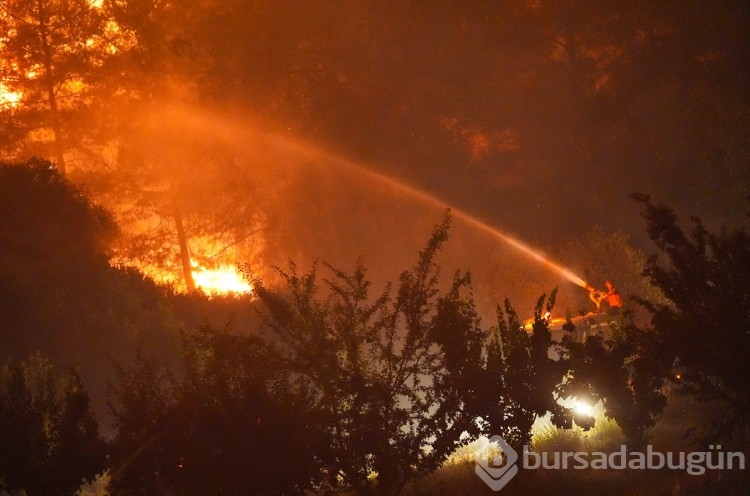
x=540, y=117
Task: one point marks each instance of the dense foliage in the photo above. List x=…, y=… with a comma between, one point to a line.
x=704, y=328
x=59, y=296
x=336, y=387
x=50, y=439
x=53, y=244
x=331, y=387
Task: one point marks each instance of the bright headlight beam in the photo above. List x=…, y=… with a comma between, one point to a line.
x=583, y=408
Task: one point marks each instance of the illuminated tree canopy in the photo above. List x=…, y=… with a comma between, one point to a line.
x=51, y=51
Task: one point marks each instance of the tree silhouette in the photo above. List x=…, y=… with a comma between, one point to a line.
x=368, y=370
x=59, y=295
x=623, y=367
x=697, y=339
x=705, y=326
x=521, y=376
x=54, y=244
x=398, y=384
x=218, y=428
x=50, y=439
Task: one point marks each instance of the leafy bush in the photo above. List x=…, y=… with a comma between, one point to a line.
x=50, y=439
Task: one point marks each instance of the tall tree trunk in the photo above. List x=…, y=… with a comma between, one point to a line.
x=187, y=268
x=52, y=99
x=59, y=147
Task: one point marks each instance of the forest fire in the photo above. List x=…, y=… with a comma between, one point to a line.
x=288, y=247
x=224, y=279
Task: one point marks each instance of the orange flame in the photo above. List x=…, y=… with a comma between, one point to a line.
x=224, y=279
x=8, y=97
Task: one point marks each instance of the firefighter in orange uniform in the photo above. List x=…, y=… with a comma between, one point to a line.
x=611, y=296
x=614, y=301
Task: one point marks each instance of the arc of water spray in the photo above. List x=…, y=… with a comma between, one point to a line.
x=473, y=221
x=524, y=248
x=193, y=117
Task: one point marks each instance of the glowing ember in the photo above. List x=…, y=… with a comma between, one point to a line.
x=223, y=280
